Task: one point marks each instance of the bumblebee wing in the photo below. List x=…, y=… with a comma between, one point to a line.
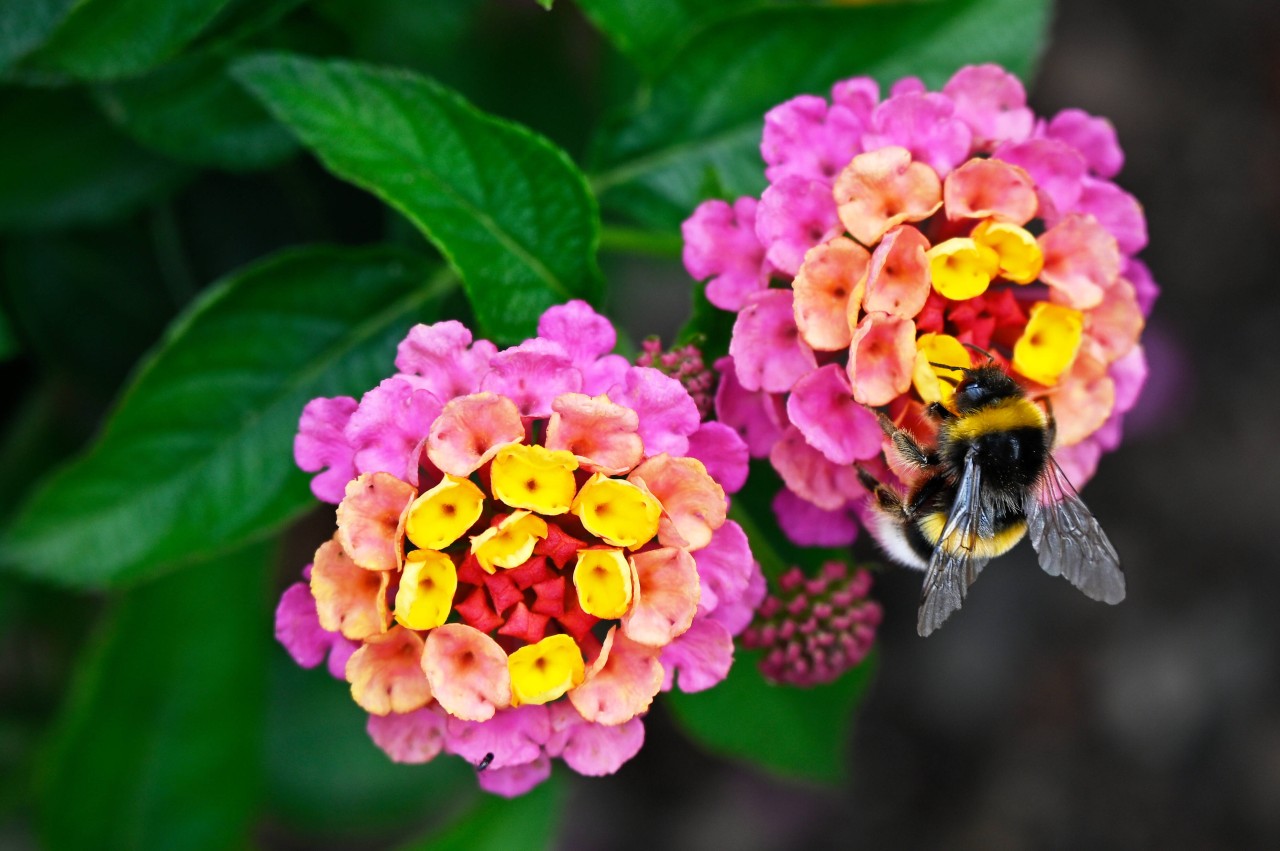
x=1069, y=541
x=954, y=564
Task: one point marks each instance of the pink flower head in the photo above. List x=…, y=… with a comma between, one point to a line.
x=961, y=219
x=509, y=574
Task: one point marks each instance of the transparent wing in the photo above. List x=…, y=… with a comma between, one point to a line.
x=954, y=564
x=1069, y=541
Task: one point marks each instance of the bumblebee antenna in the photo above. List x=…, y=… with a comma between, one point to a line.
x=949, y=366
x=990, y=357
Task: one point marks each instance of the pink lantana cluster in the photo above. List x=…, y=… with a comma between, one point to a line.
x=531, y=544
x=896, y=233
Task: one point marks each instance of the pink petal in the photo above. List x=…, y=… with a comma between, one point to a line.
x=1117, y=322
x=605, y=374
x=986, y=188
x=668, y=414
x=621, y=683
x=1095, y=139
x=531, y=375
x=514, y=736
x=807, y=525
x=822, y=407
x=343, y=649
x=321, y=444
x=859, y=95
x=1079, y=462
x=881, y=358
x=388, y=428
x=411, y=737
x=515, y=780
x=805, y=138
x=1056, y=168
x=298, y=626
x=1117, y=211
x=756, y=416
x=992, y=102
x=349, y=599
x=467, y=671
x=767, y=351
x=736, y=615
x=386, y=673
x=1130, y=375
x=470, y=431
x=825, y=292
x=898, y=279
x=439, y=360
x=720, y=244
x=600, y=434
x=907, y=86
x=808, y=472
x=1083, y=400
x=596, y=750
x=583, y=333
x=371, y=520
x=724, y=568
x=666, y=596
x=794, y=215
x=883, y=188
x=700, y=658
x=1081, y=260
x=1144, y=285
x=923, y=123
x=723, y=453
x=693, y=504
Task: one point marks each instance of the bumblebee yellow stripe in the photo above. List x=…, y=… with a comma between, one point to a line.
x=1006, y=415
x=931, y=526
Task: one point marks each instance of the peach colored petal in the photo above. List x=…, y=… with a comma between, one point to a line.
x=371, y=520
x=349, y=599
x=1116, y=324
x=1081, y=260
x=386, y=673
x=898, y=279
x=665, y=598
x=621, y=683
x=884, y=188
x=882, y=358
x=604, y=437
x=823, y=287
x=693, y=503
x=1083, y=400
x=467, y=671
x=470, y=431
x=990, y=189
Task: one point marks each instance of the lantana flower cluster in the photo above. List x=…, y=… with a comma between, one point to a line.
x=531, y=544
x=894, y=232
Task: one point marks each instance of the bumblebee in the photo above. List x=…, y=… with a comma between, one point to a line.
x=989, y=480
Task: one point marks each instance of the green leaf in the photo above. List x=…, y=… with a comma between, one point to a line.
x=198, y=456
x=25, y=24
x=158, y=744
x=703, y=116
x=112, y=39
x=527, y=823
x=192, y=111
x=506, y=207
x=802, y=733
x=546, y=4
x=325, y=776
x=647, y=32
x=62, y=164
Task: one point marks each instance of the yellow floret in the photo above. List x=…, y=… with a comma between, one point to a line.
x=544, y=671
x=1019, y=256
x=438, y=517
x=943, y=349
x=535, y=478
x=617, y=512
x=603, y=581
x=427, y=586
x=1049, y=343
x=962, y=268
x=510, y=542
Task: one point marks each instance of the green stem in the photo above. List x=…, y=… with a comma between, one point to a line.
x=620, y=240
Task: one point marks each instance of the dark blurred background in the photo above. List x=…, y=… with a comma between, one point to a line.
x=1036, y=719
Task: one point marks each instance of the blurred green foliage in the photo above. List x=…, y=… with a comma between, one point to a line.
x=160, y=164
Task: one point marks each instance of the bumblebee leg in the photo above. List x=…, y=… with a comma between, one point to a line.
x=908, y=449
x=886, y=498
x=938, y=412
x=1051, y=426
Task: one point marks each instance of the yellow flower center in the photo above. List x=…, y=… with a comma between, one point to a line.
x=616, y=511
x=438, y=517
x=426, y=591
x=943, y=349
x=603, y=581
x=1019, y=256
x=510, y=542
x=544, y=671
x=1049, y=343
x=535, y=478
x=962, y=268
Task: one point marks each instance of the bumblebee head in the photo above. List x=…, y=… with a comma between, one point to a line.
x=981, y=386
